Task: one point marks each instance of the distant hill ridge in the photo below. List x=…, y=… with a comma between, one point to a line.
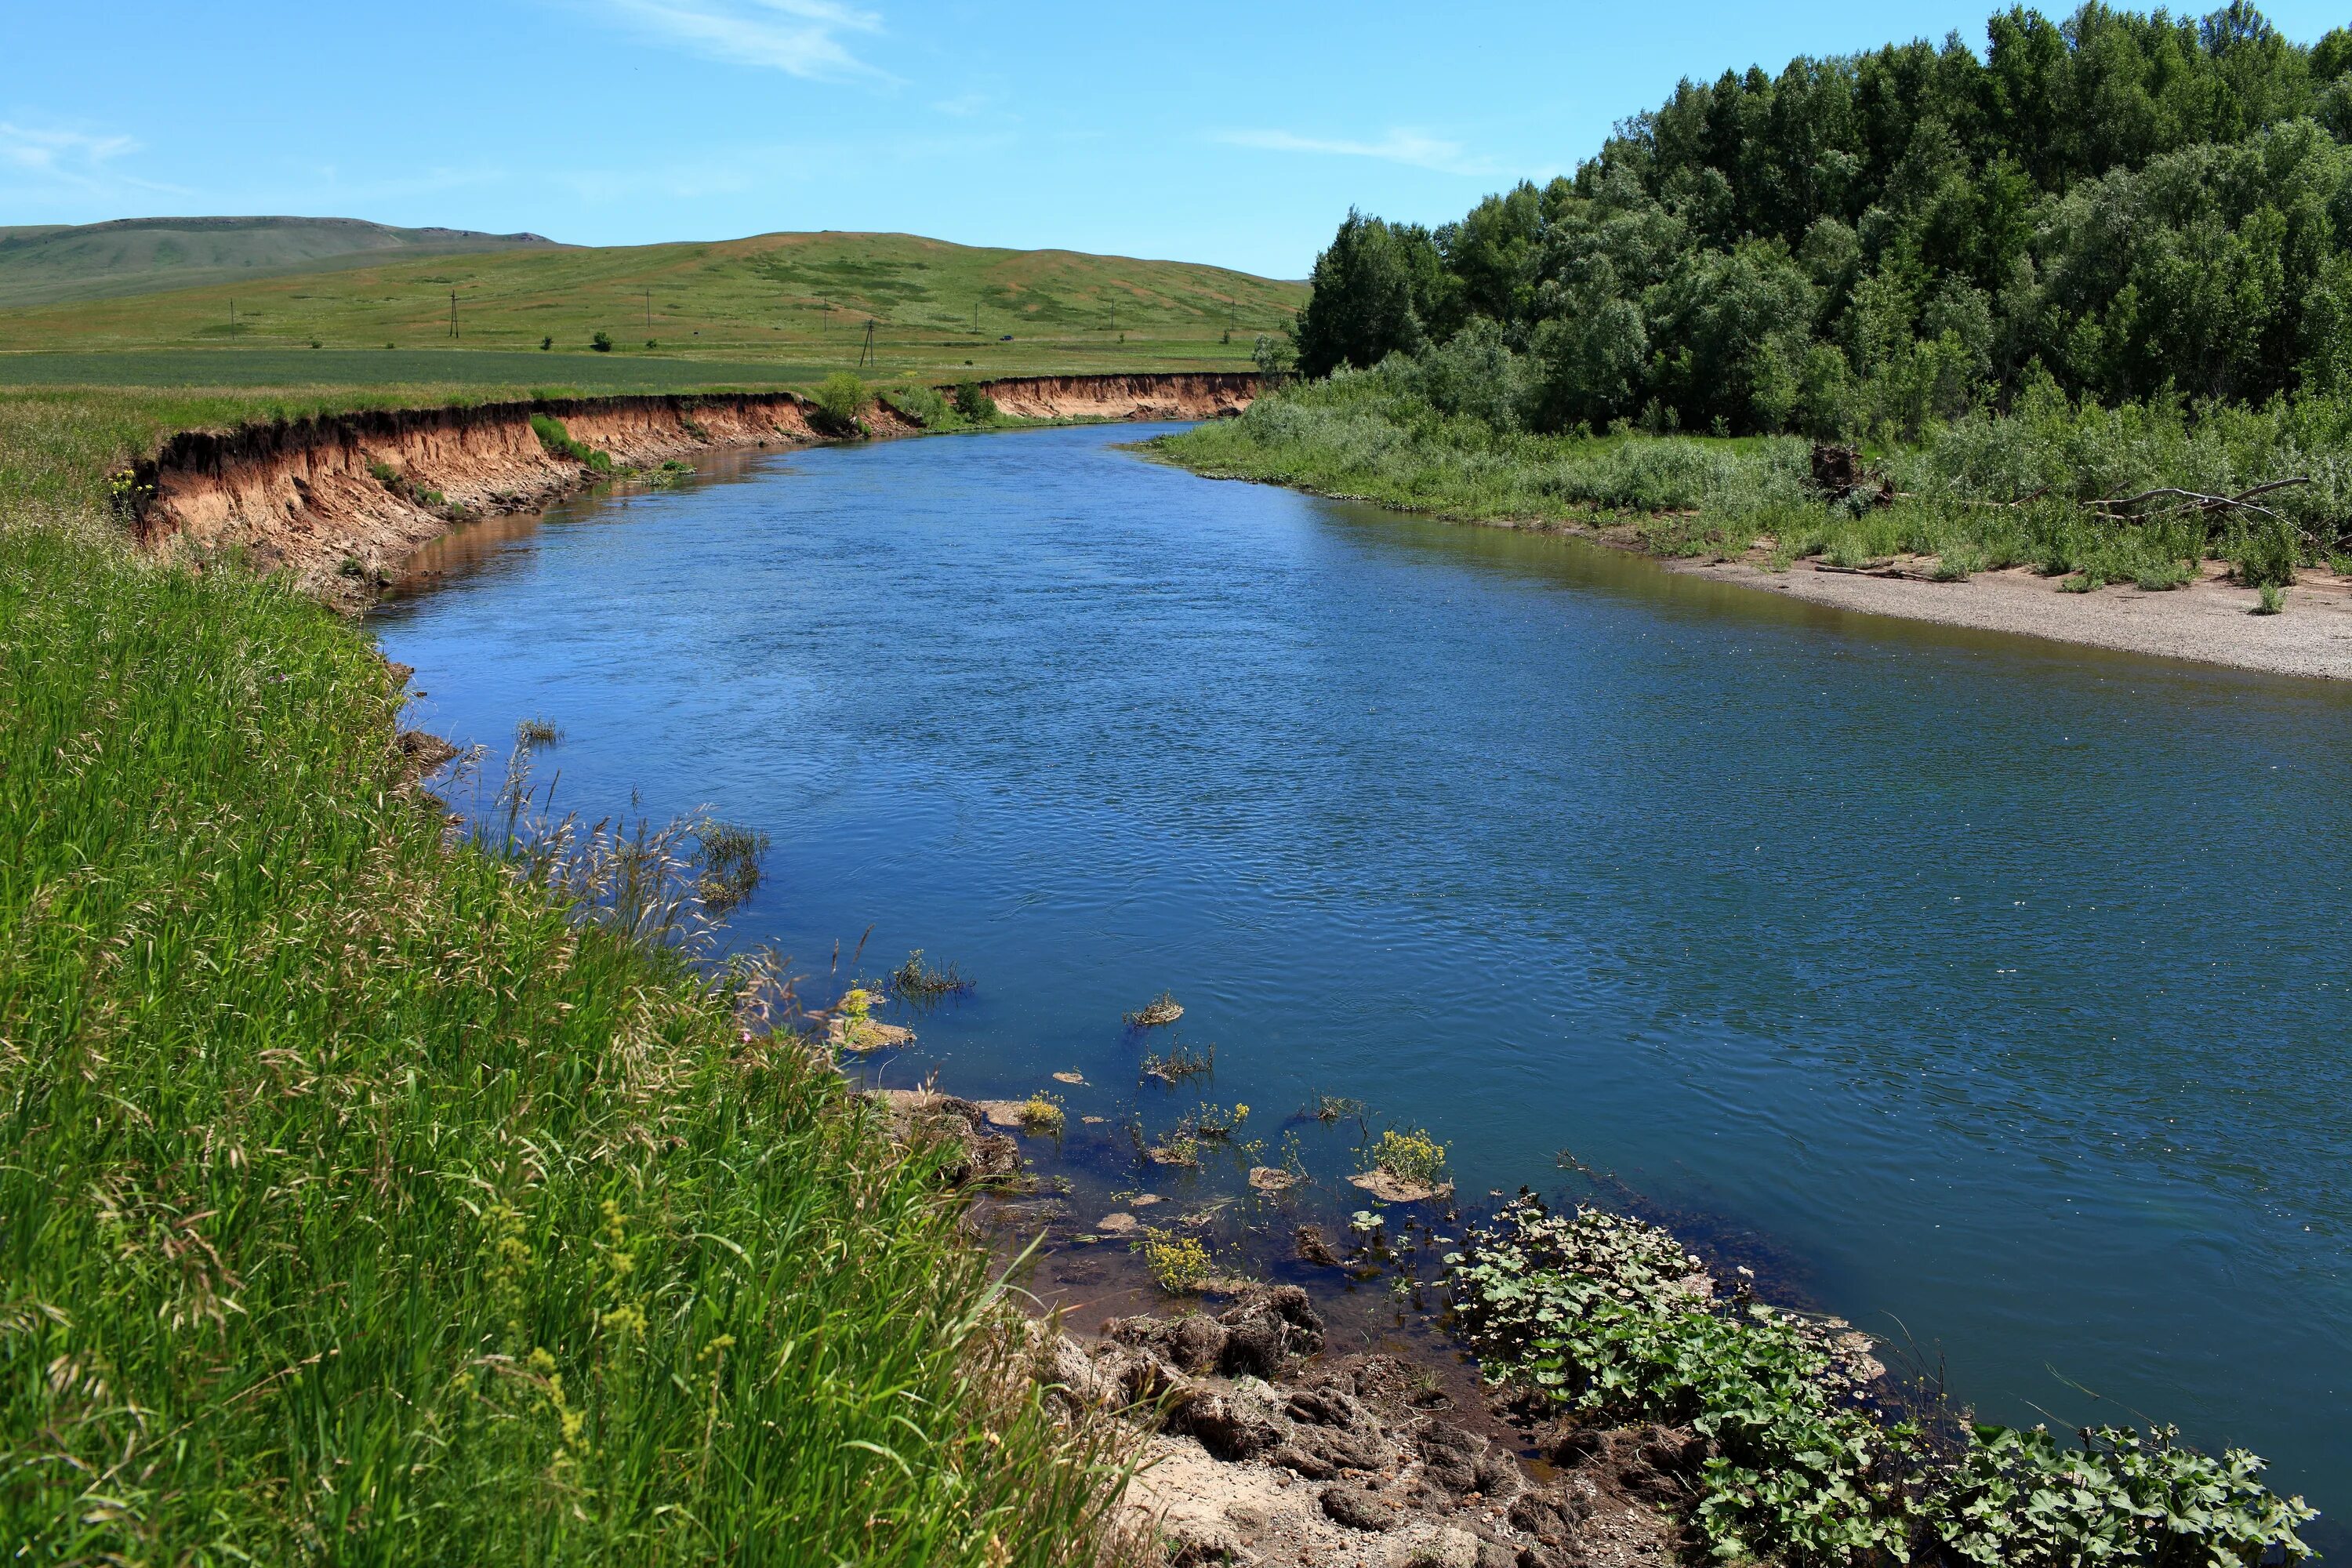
x=39, y=264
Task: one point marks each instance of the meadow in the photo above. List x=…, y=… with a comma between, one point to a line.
x=793, y=298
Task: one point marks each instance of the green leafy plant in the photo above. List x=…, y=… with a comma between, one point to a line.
x=1612, y=1320
x=602, y=342
x=2270, y=601
x=2018, y=1500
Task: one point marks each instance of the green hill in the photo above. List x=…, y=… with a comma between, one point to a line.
x=44, y=263
x=801, y=298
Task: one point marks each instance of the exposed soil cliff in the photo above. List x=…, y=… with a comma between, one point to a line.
x=1203, y=396
x=338, y=501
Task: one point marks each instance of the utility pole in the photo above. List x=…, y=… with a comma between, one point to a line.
x=649, y=312
x=232, y=317
x=869, y=352
x=453, y=312
x=975, y=315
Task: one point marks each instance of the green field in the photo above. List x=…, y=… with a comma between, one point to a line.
x=785, y=299
x=44, y=263
x=455, y=368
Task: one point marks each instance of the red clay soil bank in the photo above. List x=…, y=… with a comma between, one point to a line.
x=1205, y=396
x=338, y=501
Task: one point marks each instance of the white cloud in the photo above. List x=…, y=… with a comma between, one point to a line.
x=799, y=38
x=61, y=154
x=1398, y=146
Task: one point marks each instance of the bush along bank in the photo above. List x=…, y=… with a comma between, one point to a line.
x=1601, y=1320
x=369, y=1198
x=2070, y=488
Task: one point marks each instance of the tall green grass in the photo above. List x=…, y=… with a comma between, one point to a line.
x=1989, y=490
x=361, y=1201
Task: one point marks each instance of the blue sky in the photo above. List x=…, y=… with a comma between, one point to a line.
x=1235, y=134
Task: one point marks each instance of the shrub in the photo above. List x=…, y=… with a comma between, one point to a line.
x=2263, y=555
x=2270, y=601
x=973, y=403
x=602, y=342
x=1042, y=1112
x=840, y=400
x=919, y=405
x=546, y=343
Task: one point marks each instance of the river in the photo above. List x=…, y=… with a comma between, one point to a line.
x=1990, y=993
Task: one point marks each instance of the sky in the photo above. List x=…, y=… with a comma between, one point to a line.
x=1237, y=134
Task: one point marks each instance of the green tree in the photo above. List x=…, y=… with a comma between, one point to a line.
x=1367, y=287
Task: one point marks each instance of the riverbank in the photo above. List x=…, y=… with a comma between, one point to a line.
x=366, y=1192
x=2212, y=620
x=337, y=500
x=1994, y=523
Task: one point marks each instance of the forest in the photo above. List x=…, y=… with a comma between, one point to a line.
x=2119, y=206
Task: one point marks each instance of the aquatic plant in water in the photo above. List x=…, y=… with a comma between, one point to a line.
x=919, y=982
x=1179, y=1264
x=1161, y=1009
x=1409, y=1156
x=1612, y=1320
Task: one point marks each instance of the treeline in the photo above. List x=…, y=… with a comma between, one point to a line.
x=2129, y=206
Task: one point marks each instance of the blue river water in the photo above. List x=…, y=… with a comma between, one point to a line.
x=1997, y=989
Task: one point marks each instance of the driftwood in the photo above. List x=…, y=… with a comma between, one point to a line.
x=2194, y=500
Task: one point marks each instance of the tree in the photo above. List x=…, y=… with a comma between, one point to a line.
x=1363, y=306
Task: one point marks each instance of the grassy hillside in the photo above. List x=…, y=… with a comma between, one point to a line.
x=142, y=254
x=799, y=298
x=362, y=1200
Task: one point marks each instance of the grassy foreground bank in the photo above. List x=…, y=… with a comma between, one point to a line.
x=360, y=1201
x=1983, y=492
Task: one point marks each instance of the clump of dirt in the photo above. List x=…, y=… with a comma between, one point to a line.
x=925, y=1119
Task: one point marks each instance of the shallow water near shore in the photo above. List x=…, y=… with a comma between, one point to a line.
x=1991, y=992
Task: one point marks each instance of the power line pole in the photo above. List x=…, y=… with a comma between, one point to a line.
x=869, y=352
x=453, y=312
x=649, y=312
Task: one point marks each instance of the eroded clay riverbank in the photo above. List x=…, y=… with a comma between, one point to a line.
x=338, y=501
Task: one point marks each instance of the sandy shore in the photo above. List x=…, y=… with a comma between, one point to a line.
x=2208, y=620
